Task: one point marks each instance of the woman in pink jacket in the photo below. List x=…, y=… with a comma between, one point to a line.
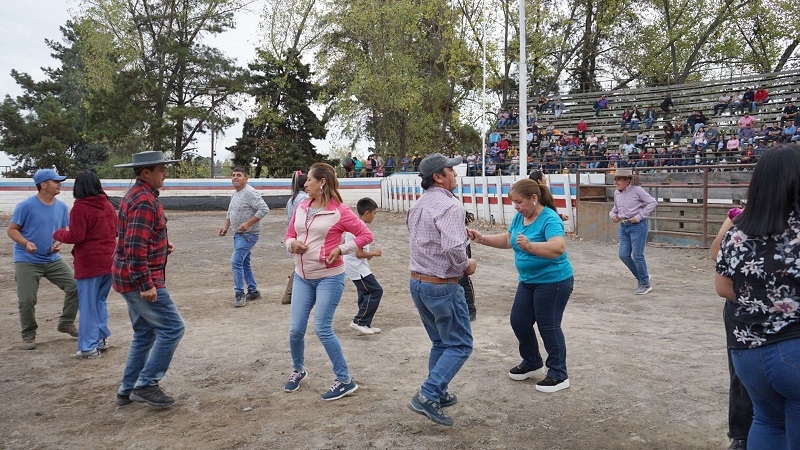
x=314, y=238
x=92, y=230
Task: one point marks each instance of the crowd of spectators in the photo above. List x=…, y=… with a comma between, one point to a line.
x=647, y=139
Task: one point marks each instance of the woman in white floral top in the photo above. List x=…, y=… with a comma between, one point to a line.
x=758, y=267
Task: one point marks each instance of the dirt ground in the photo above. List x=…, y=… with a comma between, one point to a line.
x=646, y=372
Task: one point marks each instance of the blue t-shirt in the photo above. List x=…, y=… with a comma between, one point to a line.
x=534, y=269
x=37, y=223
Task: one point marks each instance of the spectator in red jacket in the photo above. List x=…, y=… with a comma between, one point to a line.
x=92, y=230
x=761, y=97
x=581, y=128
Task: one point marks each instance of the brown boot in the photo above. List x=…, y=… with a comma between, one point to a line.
x=287, y=295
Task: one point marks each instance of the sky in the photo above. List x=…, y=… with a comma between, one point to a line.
x=25, y=24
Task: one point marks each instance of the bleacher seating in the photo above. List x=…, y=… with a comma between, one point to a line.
x=782, y=87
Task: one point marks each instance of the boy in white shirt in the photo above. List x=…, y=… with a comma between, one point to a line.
x=356, y=268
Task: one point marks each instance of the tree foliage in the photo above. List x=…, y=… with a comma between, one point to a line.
x=161, y=69
x=278, y=136
x=397, y=72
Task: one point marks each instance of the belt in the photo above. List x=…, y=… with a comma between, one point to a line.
x=434, y=280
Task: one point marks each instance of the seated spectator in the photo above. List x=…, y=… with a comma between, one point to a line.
x=700, y=141
x=513, y=118
x=592, y=140
x=733, y=143
x=762, y=133
x=626, y=119
x=789, y=113
x=502, y=119
x=558, y=108
x=747, y=100
x=581, y=128
x=641, y=139
x=747, y=155
x=788, y=132
x=635, y=119
x=602, y=143
x=774, y=132
x=491, y=167
x=747, y=135
x=627, y=147
x=761, y=97
x=666, y=104
x=712, y=135
x=543, y=104
x=600, y=104
x=723, y=102
x=736, y=103
x=649, y=117
x=669, y=131
x=696, y=120
x=746, y=121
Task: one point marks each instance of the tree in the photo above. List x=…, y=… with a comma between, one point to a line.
x=161, y=69
x=397, y=73
x=278, y=136
x=45, y=126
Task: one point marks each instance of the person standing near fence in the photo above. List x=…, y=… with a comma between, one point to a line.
x=138, y=274
x=245, y=212
x=93, y=232
x=632, y=205
x=31, y=227
x=438, y=259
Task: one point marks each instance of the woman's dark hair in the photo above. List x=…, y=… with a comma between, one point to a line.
x=528, y=188
x=86, y=185
x=774, y=192
x=537, y=176
x=298, y=183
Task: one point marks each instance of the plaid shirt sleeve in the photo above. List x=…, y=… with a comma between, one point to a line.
x=140, y=221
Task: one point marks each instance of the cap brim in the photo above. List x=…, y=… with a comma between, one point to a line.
x=452, y=162
x=148, y=163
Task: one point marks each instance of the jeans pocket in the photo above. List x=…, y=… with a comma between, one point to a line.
x=789, y=352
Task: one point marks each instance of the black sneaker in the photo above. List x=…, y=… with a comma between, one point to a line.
x=430, y=409
x=339, y=390
x=239, y=300
x=520, y=373
x=153, y=396
x=448, y=400
x=255, y=295
x=738, y=444
x=123, y=399
x=552, y=385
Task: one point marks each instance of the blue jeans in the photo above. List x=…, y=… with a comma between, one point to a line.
x=325, y=293
x=92, y=296
x=632, y=240
x=542, y=304
x=444, y=313
x=243, y=243
x=157, y=330
x=369, y=297
x=771, y=375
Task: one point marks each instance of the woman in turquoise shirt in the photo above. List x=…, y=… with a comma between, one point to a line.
x=536, y=235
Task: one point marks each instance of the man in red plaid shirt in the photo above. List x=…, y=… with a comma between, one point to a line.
x=138, y=274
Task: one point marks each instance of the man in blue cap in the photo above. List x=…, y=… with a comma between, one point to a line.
x=32, y=225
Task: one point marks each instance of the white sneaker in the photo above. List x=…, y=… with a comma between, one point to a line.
x=361, y=330
x=375, y=330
